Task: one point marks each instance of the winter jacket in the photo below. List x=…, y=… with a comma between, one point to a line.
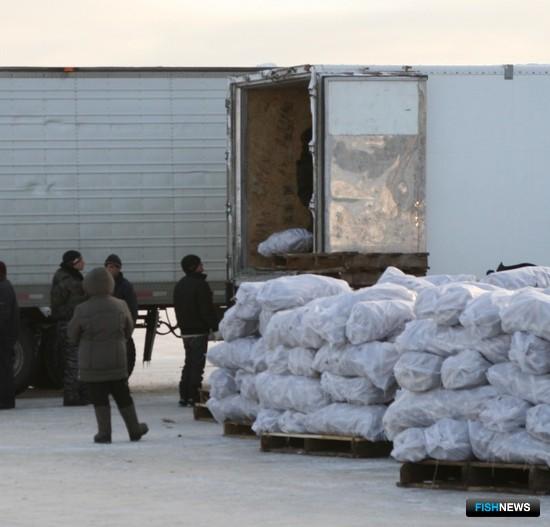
x=66, y=293
x=9, y=312
x=101, y=326
x=195, y=311
x=125, y=291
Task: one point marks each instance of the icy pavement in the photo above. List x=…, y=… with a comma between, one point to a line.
x=186, y=473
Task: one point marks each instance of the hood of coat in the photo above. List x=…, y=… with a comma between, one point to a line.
x=99, y=282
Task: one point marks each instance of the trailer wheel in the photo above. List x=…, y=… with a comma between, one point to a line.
x=26, y=359
x=131, y=355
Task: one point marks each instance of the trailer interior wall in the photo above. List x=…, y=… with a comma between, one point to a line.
x=276, y=117
x=488, y=171
x=130, y=162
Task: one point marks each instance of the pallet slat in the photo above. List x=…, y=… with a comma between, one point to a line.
x=202, y=413
x=476, y=476
x=234, y=429
x=321, y=445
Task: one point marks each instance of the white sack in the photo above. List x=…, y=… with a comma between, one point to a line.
x=288, y=392
x=376, y=320
x=353, y=390
x=292, y=422
x=287, y=328
x=448, y=440
x=410, y=409
x=519, y=278
x=246, y=384
x=295, y=291
x=287, y=241
x=233, y=408
x=247, y=306
x=504, y=413
x=453, y=300
x=300, y=362
x=328, y=359
x=442, y=279
x=538, y=422
x=393, y=275
x=277, y=360
x=233, y=327
x=348, y=420
x=222, y=383
x=267, y=421
x=235, y=355
x=494, y=349
x=418, y=372
x=519, y=447
x=426, y=300
x=508, y=379
x=259, y=352
x=530, y=353
x=410, y=445
x=529, y=311
x=464, y=370
x=265, y=317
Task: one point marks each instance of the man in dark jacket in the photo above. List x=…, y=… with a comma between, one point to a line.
x=66, y=293
x=196, y=316
x=9, y=328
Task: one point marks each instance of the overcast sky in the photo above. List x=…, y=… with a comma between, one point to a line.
x=284, y=32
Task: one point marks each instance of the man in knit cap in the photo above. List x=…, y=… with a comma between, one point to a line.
x=66, y=293
x=9, y=327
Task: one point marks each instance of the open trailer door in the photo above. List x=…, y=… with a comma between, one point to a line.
x=373, y=163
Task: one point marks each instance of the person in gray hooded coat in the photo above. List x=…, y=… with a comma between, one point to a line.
x=101, y=326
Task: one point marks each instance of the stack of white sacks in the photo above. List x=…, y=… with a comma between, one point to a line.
x=474, y=372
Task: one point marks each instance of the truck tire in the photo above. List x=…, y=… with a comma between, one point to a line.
x=131, y=356
x=26, y=359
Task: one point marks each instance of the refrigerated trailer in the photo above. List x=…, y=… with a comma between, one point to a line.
x=109, y=160
x=452, y=161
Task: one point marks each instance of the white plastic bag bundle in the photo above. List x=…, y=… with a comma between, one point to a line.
x=348, y=420
x=353, y=390
x=233, y=327
x=292, y=422
x=504, y=413
x=329, y=321
x=530, y=353
x=233, y=408
x=277, y=360
x=464, y=370
x=288, y=392
x=246, y=384
x=538, y=422
x=519, y=278
x=410, y=409
x=222, y=383
x=393, y=275
x=519, y=447
x=410, y=445
x=529, y=311
x=482, y=315
x=481, y=439
x=235, y=355
x=426, y=300
x=259, y=352
x=508, y=379
x=247, y=306
x=287, y=328
x=374, y=360
x=267, y=421
x=300, y=362
x=418, y=372
x=494, y=349
x=295, y=291
x=453, y=300
x=265, y=317
x=288, y=241
x=442, y=279
x=448, y=440
x=426, y=335
x=328, y=358
x=376, y=320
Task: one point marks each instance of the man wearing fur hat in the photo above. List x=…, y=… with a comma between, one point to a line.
x=66, y=293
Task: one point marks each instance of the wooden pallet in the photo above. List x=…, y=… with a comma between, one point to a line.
x=324, y=445
x=204, y=395
x=233, y=429
x=202, y=413
x=476, y=476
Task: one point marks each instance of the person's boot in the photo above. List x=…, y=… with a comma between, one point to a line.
x=135, y=428
x=103, y=417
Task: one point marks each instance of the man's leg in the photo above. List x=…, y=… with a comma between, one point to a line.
x=184, y=380
x=196, y=358
x=121, y=394
x=71, y=386
x=7, y=388
x=98, y=393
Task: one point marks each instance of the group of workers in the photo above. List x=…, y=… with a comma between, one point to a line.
x=95, y=316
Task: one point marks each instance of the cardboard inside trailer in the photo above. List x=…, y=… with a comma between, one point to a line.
x=276, y=118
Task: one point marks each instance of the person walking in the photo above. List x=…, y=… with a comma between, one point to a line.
x=125, y=291
x=100, y=327
x=9, y=328
x=196, y=317
x=66, y=293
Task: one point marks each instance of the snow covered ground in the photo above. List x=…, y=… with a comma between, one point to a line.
x=186, y=473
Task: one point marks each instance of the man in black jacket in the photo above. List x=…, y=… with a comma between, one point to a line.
x=9, y=328
x=196, y=316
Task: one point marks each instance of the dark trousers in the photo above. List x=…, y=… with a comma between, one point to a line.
x=7, y=387
x=99, y=392
x=193, y=369
x=73, y=389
